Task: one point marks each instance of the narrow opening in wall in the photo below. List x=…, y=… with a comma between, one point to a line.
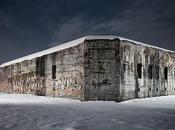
x=37, y=66
x=138, y=89
x=40, y=66
x=150, y=72
x=139, y=70
x=166, y=73
x=53, y=71
x=157, y=72
x=124, y=67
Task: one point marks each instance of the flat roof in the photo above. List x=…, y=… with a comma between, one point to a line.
x=74, y=43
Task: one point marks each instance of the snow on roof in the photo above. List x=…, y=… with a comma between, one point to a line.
x=74, y=43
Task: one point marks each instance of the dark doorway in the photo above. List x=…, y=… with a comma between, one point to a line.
x=40, y=66
x=53, y=71
x=166, y=73
x=139, y=70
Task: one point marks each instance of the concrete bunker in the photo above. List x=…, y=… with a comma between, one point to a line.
x=93, y=68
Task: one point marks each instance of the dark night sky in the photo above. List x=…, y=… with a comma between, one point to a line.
x=28, y=26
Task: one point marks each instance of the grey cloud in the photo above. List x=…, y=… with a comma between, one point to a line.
x=72, y=28
x=140, y=20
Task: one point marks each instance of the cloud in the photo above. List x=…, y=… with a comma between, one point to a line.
x=72, y=28
x=79, y=26
x=139, y=20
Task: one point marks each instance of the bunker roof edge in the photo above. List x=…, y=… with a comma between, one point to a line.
x=75, y=43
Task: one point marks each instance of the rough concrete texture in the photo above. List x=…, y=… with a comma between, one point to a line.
x=102, y=70
x=35, y=76
x=95, y=70
x=146, y=71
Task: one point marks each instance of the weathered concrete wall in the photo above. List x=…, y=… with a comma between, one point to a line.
x=102, y=70
x=36, y=76
x=69, y=81
x=21, y=78
x=127, y=84
x=153, y=80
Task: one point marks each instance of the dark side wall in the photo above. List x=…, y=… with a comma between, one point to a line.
x=102, y=70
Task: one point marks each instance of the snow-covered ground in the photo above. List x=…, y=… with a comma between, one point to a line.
x=28, y=112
